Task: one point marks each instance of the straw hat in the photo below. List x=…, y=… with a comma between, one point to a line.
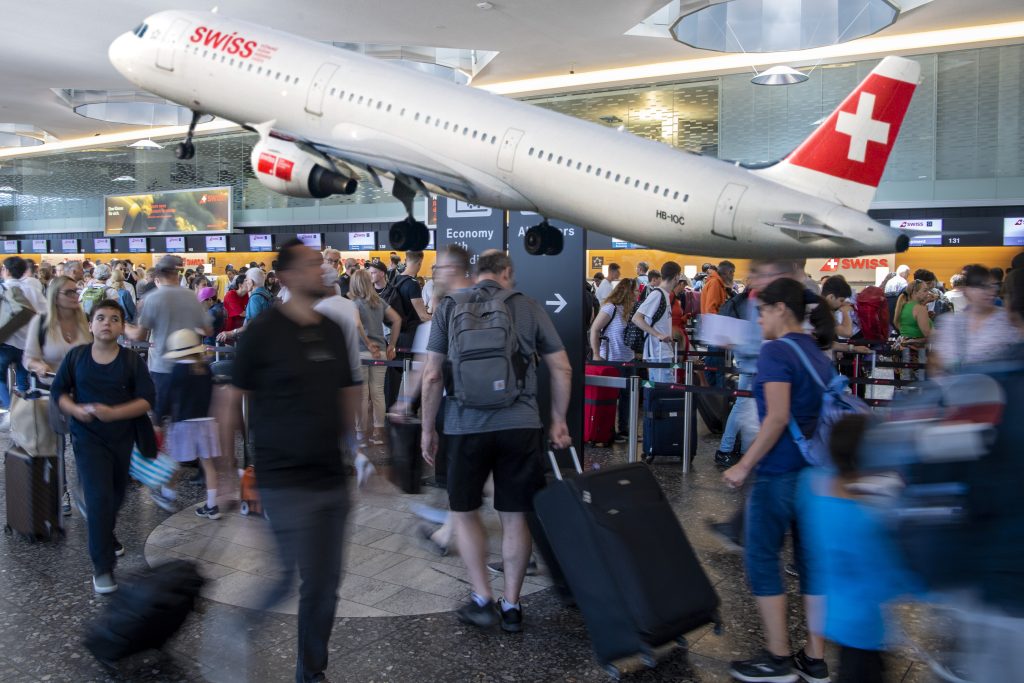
x=183, y=343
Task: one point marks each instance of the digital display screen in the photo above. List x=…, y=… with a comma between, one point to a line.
x=102, y=245
x=168, y=213
x=10, y=246
x=313, y=240
x=928, y=231
x=261, y=243
x=216, y=243
x=39, y=246
x=175, y=245
x=622, y=244
x=362, y=241
x=137, y=245
x=69, y=246
x=1013, y=232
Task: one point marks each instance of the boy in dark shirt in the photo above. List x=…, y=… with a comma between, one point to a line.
x=103, y=388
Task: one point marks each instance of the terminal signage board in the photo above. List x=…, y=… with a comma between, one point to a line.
x=924, y=232
x=1013, y=232
x=69, y=246
x=216, y=243
x=40, y=246
x=556, y=283
x=361, y=241
x=102, y=245
x=313, y=240
x=10, y=246
x=476, y=228
x=175, y=245
x=137, y=245
x=261, y=243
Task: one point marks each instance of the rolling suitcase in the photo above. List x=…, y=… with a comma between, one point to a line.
x=664, y=422
x=599, y=408
x=627, y=562
x=33, y=486
x=405, y=454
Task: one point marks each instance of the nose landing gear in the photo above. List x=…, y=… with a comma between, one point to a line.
x=544, y=239
x=187, y=150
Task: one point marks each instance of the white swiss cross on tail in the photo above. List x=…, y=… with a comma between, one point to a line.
x=844, y=159
x=830, y=266
x=862, y=127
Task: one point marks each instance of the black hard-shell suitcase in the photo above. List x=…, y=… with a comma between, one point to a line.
x=33, y=491
x=627, y=561
x=148, y=608
x=664, y=423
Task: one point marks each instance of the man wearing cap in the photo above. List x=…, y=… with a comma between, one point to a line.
x=170, y=307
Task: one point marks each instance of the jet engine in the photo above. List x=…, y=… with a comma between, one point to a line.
x=282, y=167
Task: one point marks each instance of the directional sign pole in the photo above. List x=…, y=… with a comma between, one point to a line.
x=556, y=282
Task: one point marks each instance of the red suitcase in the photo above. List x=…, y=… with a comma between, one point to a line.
x=599, y=408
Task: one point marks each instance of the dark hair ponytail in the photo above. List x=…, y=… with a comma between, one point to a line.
x=797, y=299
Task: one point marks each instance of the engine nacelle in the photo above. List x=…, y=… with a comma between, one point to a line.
x=282, y=167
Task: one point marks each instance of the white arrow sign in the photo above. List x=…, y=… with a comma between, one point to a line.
x=559, y=304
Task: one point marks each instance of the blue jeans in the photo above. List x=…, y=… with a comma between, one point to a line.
x=732, y=425
x=8, y=355
x=776, y=504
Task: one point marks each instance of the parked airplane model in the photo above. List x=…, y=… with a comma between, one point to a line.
x=326, y=114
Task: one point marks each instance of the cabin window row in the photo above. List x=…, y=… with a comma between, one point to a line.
x=248, y=66
x=608, y=175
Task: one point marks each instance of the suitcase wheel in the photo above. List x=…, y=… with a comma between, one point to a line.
x=243, y=508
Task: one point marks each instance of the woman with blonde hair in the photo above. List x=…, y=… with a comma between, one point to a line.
x=607, y=341
x=373, y=311
x=49, y=337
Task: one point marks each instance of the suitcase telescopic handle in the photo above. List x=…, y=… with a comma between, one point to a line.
x=554, y=462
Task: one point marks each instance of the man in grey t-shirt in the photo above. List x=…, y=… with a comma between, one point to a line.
x=506, y=442
x=167, y=309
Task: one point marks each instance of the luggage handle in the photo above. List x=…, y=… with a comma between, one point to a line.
x=554, y=462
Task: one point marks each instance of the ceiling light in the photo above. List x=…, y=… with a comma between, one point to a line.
x=124, y=179
x=7, y=188
x=863, y=48
x=485, y=5
x=148, y=143
x=779, y=75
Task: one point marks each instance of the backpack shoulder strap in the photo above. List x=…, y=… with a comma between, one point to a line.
x=41, y=335
x=806, y=362
x=662, y=307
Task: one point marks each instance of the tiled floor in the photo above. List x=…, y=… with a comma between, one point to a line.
x=395, y=622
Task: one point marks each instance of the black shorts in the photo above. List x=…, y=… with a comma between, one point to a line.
x=515, y=457
x=162, y=385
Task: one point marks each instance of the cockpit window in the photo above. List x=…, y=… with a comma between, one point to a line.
x=140, y=30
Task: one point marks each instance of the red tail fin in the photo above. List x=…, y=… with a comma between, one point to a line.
x=854, y=143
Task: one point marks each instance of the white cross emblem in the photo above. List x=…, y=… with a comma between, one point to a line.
x=831, y=264
x=861, y=127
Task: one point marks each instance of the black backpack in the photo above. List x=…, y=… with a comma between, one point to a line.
x=633, y=335
x=392, y=295
x=148, y=609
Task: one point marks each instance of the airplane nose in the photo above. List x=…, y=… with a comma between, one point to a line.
x=119, y=53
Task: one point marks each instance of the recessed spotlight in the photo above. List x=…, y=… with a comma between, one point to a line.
x=124, y=179
x=485, y=5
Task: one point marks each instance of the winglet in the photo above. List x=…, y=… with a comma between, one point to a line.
x=844, y=159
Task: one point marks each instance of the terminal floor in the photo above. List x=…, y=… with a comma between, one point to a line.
x=395, y=621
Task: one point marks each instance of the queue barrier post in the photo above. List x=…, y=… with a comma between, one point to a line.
x=634, y=419
x=688, y=422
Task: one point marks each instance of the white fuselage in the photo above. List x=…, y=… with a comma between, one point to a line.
x=513, y=155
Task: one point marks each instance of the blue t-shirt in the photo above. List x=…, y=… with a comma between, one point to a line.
x=779, y=362
x=859, y=569
x=260, y=300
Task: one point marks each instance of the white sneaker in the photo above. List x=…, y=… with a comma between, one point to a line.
x=104, y=583
x=364, y=469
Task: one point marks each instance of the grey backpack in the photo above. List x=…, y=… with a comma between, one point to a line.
x=488, y=369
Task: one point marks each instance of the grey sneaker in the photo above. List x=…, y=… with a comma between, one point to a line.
x=104, y=583
x=163, y=502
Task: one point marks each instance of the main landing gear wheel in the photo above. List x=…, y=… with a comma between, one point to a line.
x=409, y=235
x=187, y=150
x=544, y=240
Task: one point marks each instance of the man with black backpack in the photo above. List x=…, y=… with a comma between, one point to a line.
x=492, y=337
x=654, y=317
x=404, y=295
x=18, y=304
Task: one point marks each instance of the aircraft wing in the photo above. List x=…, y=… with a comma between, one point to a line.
x=390, y=159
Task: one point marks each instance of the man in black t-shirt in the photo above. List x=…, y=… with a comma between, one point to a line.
x=293, y=364
x=406, y=297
